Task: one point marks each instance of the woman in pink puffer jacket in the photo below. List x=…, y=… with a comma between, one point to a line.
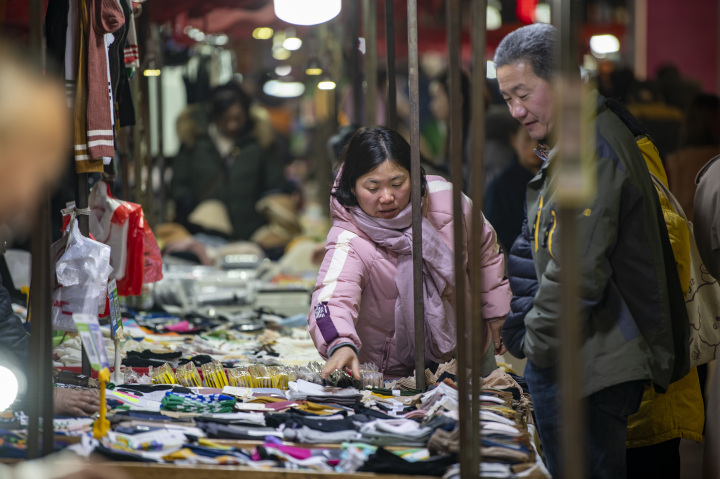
x=362, y=307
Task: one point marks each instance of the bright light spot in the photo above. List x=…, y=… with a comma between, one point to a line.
x=493, y=19
x=313, y=71
x=283, y=89
x=221, y=39
x=490, y=72
x=152, y=73
x=292, y=44
x=263, y=33
x=604, y=44
x=8, y=388
x=307, y=12
x=280, y=53
x=542, y=13
x=282, y=70
x=326, y=85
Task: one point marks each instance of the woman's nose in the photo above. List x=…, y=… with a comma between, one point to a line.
x=386, y=196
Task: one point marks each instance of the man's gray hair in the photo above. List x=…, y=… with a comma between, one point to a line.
x=534, y=43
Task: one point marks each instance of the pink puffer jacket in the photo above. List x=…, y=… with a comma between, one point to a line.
x=355, y=292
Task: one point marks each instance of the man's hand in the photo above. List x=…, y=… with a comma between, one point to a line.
x=495, y=328
x=76, y=402
x=343, y=357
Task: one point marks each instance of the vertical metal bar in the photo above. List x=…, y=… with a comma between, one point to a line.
x=640, y=39
x=40, y=396
x=370, y=33
x=717, y=58
x=391, y=120
x=160, y=207
x=137, y=132
x=572, y=414
x=467, y=470
x=82, y=202
x=478, y=330
x=413, y=79
x=354, y=69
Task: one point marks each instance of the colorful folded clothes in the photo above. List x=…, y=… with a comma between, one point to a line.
x=200, y=403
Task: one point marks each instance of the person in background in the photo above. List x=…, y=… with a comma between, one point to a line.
x=34, y=141
x=699, y=141
x=505, y=196
x=228, y=154
x=707, y=236
x=362, y=306
x=628, y=285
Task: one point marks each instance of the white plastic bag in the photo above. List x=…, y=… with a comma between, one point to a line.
x=82, y=271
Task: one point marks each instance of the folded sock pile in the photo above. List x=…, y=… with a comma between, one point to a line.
x=201, y=403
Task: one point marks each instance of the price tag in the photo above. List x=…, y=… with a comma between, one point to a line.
x=92, y=339
x=115, y=317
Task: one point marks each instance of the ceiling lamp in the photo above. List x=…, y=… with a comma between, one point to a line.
x=493, y=18
x=604, y=44
x=326, y=85
x=542, y=13
x=280, y=53
x=283, y=70
x=292, y=43
x=307, y=12
x=313, y=71
x=263, y=33
x=283, y=89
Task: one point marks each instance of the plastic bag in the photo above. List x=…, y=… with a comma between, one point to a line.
x=121, y=225
x=82, y=268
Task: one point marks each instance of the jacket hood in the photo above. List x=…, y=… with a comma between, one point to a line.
x=193, y=121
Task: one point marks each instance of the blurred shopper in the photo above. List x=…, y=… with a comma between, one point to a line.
x=361, y=310
x=34, y=141
x=628, y=286
x=505, y=196
x=229, y=155
x=699, y=141
x=662, y=120
x=707, y=236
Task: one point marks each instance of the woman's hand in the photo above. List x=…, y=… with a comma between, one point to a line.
x=495, y=328
x=343, y=357
x=76, y=402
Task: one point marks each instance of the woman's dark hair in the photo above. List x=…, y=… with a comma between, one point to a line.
x=369, y=147
x=702, y=122
x=222, y=97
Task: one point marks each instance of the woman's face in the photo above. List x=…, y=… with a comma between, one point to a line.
x=232, y=121
x=384, y=191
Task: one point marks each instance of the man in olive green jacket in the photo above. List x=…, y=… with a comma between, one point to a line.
x=635, y=327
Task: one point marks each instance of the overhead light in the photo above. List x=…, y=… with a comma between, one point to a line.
x=490, y=70
x=280, y=53
x=493, y=19
x=282, y=70
x=326, y=85
x=263, y=33
x=604, y=44
x=307, y=12
x=283, y=89
x=152, y=73
x=313, y=71
x=292, y=43
x=9, y=387
x=542, y=13
x=221, y=39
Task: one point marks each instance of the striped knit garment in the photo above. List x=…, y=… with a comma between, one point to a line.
x=105, y=16
x=132, y=53
x=83, y=163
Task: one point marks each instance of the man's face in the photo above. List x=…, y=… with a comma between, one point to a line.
x=529, y=97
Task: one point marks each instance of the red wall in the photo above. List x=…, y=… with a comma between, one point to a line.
x=686, y=34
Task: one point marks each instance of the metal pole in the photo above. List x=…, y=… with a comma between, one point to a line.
x=478, y=330
x=370, y=32
x=415, y=193
x=160, y=207
x=82, y=202
x=572, y=412
x=391, y=119
x=468, y=468
x=354, y=70
x=39, y=394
